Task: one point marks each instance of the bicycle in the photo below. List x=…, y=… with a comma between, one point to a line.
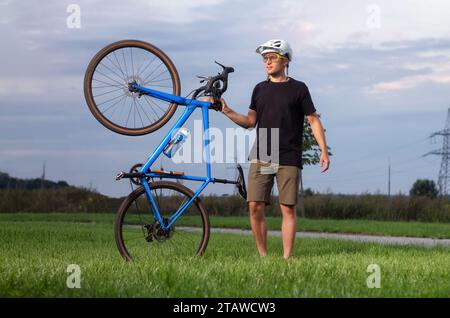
x=146, y=218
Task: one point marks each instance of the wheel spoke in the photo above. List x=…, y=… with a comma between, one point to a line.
x=128, y=118
x=143, y=110
x=114, y=90
x=117, y=60
x=161, y=85
x=115, y=73
x=137, y=109
x=141, y=72
x=160, y=80
x=132, y=63
x=110, y=78
x=109, y=84
x=115, y=103
x=151, y=107
x=155, y=77
x=110, y=99
x=155, y=104
x=125, y=62
x=145, y=79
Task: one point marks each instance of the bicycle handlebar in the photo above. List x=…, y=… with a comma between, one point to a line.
x=216, y=86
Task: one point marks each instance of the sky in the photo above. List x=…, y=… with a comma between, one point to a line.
x=378, y=73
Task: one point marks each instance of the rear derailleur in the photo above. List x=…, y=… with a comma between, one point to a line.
x=155, y=231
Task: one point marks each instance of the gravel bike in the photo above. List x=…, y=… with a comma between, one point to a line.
x=133, y=88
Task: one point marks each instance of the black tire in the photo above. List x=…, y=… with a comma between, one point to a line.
x=108, y=75
x=131, y=229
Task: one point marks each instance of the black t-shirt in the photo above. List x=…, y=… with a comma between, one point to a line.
x=282, y=105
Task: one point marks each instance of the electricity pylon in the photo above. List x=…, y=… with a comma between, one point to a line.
x=445, y=153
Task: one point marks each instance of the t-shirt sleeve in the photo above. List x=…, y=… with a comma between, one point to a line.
x=306, y=102
x=253, y=100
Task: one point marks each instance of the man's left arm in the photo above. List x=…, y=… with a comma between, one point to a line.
x=319, y=135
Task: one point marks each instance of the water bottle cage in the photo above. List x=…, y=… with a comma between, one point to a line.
x=175, y=143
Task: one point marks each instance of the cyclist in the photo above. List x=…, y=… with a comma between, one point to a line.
x=279, y=102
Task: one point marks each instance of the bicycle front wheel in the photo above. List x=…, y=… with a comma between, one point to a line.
x=139, y=236
x=106, y=87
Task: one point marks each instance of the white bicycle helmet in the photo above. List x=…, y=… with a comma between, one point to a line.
x=280, y=46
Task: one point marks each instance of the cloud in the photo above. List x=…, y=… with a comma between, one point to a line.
x=433, y=64
x=410, y=82
x=73, y=153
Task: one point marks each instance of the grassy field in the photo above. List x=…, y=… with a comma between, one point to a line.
x=35, y=253
x=413, y=229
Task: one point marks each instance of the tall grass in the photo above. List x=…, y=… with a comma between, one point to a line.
x=333, y=206
x=378, y=207
x=366, y=206
x=56, y=200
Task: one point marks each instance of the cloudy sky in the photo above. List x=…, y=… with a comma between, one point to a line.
x=378, y=72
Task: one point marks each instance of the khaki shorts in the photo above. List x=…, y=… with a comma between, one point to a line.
x=260, y=182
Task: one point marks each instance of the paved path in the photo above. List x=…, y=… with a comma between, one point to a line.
x=398, y=240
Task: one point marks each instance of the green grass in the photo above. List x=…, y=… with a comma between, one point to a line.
x=34, y=255
x=413, y=229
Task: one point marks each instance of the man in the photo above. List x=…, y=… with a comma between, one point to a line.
x=280, y=102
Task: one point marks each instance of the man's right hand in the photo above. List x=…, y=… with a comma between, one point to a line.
x=225, y=108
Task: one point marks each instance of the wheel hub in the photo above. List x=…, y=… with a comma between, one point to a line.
x=130, y=81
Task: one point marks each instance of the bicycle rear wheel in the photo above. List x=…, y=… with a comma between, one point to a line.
x=106, y=87
x=139, y=236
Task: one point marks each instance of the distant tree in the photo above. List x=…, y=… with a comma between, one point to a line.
x=309, y=192
x=8, y=182
x=424, y=187
x=311, y=149
x=62, y=184
x=4, y=180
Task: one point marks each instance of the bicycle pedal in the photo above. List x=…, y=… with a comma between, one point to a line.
x=242, y=189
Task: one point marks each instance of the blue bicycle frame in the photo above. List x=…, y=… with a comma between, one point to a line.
x=191, y=104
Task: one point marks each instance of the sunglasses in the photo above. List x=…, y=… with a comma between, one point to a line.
x=273, y=57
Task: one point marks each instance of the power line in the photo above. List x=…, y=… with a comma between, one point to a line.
x=346, y=178
x=361, y=175
x=378, y=153
x=364, y=172
x=378, y=167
